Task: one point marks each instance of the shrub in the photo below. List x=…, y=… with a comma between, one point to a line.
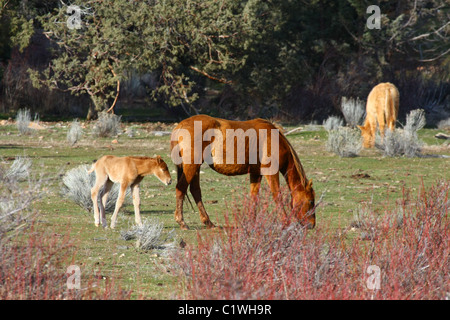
x=19, y=170
x=75, y=132
x=333, y=123
x=107, y=125
x=33, y=262
x=150, y=236
x=345, y=142
x=261, y=258
x=23, y=119
x=77, y=185
x=404, y=142
x=444, y=124
x=16, y=198
x=353, y=110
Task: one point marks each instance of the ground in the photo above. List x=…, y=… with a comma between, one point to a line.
x=344, y=184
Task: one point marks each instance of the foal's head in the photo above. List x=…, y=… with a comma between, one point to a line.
x=161, y=171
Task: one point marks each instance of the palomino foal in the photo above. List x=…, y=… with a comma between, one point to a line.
x=128, y=172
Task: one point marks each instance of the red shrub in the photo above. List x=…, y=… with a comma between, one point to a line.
x=33, y=267
x=260, y=258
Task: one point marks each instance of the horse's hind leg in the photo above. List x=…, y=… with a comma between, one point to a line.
x=197, y=194
x=106, y=189
x=181, y=190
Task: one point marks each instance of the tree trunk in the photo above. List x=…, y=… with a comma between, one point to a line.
x=98, y=104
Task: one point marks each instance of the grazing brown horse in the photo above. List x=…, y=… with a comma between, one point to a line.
x=231, y=148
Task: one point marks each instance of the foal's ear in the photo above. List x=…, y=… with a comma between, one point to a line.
x=309, y=184
x=158, y=158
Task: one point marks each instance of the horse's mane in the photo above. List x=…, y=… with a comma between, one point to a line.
x=298, y=165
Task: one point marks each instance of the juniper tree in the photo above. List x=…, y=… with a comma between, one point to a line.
x=178, y=39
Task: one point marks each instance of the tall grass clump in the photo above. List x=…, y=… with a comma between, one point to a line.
x=259, y=257
x=344, y=141
x=17, y=191
x=107, y=125
x=75, y=132
x=19, y=170
x=77, y=185
x=23, y=119
x=333, y=123
x=353, y=110
x=404, y=142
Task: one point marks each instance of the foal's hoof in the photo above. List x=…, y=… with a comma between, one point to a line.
x=184, y=226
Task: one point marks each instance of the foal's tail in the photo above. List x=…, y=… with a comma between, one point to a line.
x=92, y=168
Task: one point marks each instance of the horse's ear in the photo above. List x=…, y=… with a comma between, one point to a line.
x=158, y=158
x=360, y=127
x=309, y=184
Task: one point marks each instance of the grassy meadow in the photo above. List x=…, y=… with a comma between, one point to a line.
x=345, y=184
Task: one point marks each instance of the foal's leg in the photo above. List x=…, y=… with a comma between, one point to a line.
x=119, y=202
x=197, y=194
x=136, y=203
x=107, y=187
x=99, y=181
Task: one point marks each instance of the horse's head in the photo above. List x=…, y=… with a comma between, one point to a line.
x=304, y=205
x=368, y=139
x=161, y=171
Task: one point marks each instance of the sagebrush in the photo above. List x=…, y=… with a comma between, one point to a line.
x=77, y=185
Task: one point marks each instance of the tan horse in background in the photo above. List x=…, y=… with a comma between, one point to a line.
x=203, y=138
x=382, y=108
x=128, y=172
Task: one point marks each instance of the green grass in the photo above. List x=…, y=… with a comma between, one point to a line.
x=346, y=183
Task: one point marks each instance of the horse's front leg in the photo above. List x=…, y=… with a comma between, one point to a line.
x=274, y=184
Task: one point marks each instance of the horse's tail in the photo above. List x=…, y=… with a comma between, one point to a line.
x=179, y=174
x=388, y=105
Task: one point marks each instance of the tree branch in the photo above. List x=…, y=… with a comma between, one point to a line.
x=222, y=80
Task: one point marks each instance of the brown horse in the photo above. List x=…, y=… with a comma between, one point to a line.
x=236, y=148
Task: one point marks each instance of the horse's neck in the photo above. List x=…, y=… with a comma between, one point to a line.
x=144, y=166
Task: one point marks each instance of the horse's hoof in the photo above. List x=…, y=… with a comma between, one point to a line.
x=184, y=227
x=209, y=224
